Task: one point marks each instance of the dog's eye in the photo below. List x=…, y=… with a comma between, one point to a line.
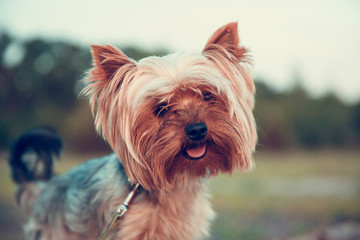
x=207, y=96
x=161, y=110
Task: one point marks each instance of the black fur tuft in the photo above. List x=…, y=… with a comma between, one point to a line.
x=33, y=153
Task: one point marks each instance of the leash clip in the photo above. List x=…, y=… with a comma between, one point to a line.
x=120, y=212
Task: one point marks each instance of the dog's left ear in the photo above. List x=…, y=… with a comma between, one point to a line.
x=229, y=58
x=223, y=47
x=227, y=38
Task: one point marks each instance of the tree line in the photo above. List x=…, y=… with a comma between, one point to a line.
x=39, y=85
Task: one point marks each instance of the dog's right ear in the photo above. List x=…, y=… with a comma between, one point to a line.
x=111, y=68
x=107, y=60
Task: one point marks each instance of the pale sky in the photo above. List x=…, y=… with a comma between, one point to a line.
x=318, y=39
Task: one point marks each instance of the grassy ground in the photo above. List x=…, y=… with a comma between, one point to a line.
x=287, y=194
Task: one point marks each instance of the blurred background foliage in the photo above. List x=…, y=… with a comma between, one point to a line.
x=40, y=83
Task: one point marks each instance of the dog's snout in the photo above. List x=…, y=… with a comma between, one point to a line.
x=196, y=131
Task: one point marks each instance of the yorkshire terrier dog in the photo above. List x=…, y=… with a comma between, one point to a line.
x=173, y=122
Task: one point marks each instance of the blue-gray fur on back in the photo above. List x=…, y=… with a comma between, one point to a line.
x=79, y=193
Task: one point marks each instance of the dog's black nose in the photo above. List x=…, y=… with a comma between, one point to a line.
x=196, y=131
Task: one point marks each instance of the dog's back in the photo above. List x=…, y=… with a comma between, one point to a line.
x=66, y=206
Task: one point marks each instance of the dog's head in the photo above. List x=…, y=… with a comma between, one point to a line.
x=175, y=118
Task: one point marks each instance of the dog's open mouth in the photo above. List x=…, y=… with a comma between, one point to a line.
x=195, y=152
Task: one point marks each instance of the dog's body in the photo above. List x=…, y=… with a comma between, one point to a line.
x=173, y=122
x=79, y=205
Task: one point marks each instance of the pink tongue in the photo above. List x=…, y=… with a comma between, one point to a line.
x=196, y=152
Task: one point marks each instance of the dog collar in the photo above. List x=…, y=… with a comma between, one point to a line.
x=120, y=212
